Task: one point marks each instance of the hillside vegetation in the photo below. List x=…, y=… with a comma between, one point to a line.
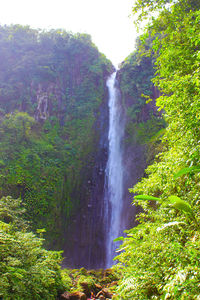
x=160, y=257
x=52, y=85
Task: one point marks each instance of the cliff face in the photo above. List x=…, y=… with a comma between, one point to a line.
x=85, y=234
x=52, y=88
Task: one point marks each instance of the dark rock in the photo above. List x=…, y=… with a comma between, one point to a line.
x=105, y=293
x=78, y=296
x=99, y=294
x=65, y=296
x=85, y=288
x=97, y=288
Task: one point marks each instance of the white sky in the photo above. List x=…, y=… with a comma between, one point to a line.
x=107, y=21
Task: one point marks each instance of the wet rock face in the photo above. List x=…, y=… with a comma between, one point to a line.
x=49, y=99
x=86, y=242
x=42, y=107
x=98, y=238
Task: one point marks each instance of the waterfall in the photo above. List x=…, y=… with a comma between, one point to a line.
x=113, y=198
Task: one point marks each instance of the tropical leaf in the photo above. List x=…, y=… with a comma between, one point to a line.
x=180, y=204
x=149, y=198
x=189, y=170
x=120, y=238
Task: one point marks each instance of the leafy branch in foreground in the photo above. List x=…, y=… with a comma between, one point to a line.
x=159, y=257
x=27, y=270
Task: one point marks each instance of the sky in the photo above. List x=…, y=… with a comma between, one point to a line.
x=107, y=21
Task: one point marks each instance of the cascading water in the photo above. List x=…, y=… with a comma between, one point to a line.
x=113, y=199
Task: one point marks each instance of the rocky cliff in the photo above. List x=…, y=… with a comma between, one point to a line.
x=53, y=95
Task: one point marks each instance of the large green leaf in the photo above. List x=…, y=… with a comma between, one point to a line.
x=149, y=198
x=120, y=238
x=180, y=204
x=189, y=170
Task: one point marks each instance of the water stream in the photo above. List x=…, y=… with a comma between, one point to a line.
x=113, y=199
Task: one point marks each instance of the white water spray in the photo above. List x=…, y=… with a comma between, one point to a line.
x=114, y=171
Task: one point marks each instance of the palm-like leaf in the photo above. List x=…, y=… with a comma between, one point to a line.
x=120, y=238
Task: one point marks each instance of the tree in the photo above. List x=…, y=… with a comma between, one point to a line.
x=27, y=270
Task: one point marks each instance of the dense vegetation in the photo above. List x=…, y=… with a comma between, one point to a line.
x=51, y=87
x=160, y=257
x=135, y=79
x=27, y=270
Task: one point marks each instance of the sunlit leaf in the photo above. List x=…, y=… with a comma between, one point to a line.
x=146, y=197
x=184, y=171
x=180, y=204
x=121, y=238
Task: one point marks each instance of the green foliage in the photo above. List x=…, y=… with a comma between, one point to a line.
x=160, y=262
x=149, y=198
x=31, y=160
x=12, y=211
x=184, y=171
x=160, y=257
x=90, y=281
x=149, y=131
x=66, y=279
x=27, y=270
x=135, y=76
x=181, y=205
x=174, y=201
